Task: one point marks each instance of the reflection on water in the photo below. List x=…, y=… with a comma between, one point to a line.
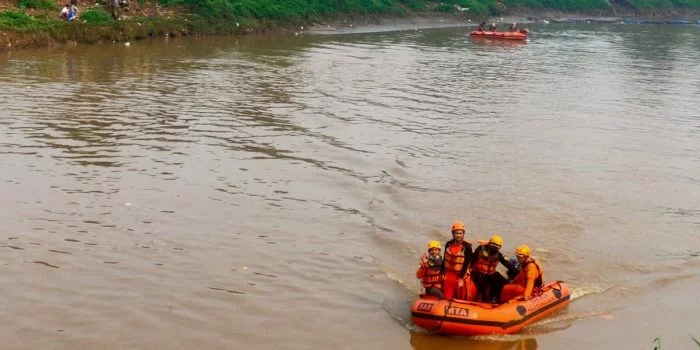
x=277, y=191
x=421, y=341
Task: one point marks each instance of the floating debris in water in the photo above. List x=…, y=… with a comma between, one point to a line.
x=227, y=290
x=264, y=274
x=42, y=263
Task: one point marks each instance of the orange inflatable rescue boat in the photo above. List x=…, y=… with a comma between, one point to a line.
x=518, y=35
x=461, y=317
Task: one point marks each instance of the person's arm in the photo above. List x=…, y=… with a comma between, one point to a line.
x=442, y=266
x=421, y=270
x=467, y=259
x=475, y=255
x=512, y=270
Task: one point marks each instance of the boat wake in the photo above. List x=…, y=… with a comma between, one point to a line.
x=588, y=289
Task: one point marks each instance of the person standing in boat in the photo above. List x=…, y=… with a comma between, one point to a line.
x=429, y=270
x=458, y=253
x=484, y=262
x=513, y=27
x=529, y=280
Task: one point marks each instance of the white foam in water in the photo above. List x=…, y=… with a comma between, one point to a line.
x=503, y=337
x=567, y=317
x=409, y=286
x=586, y=289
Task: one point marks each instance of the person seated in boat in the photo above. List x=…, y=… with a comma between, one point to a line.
x=492, y=27
x=429, y=270
x=516, y=268
x=484, y=262
x=512, y=27
x=529, y=280
x=481, y=27
x=458, y=252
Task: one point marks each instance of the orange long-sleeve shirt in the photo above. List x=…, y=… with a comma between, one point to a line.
x=530, y=276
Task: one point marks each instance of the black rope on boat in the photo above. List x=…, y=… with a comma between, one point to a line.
x=445, y=315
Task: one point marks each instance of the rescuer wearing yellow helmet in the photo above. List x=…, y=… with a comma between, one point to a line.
x=429, y=270
x=484, y=262
x=529, y=280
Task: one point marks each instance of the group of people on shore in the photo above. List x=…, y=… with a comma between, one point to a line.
x=470, y=274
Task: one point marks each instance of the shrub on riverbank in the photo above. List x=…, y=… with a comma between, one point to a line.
x=38, y=4
x=97, y=15
x=664, y=4
x=21, y=21
x=561, y=5
x=286, y=10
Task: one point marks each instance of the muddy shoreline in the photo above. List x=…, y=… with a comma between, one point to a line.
x=13, y=40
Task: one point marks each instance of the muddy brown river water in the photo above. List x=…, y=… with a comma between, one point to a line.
x=277, y=192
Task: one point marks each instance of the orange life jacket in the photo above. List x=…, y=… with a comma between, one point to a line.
x=485, y=263
x=539, y=281
x=431, y=276
x=454, y=261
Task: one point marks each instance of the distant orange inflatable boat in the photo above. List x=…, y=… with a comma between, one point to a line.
x=519, y=35
x=459, y=317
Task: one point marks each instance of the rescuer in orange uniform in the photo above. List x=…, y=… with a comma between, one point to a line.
x=430, y=270
x=484, y=262
x=455, y=264
x=529, y=280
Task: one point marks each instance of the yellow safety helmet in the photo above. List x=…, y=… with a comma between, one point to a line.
x=496, y=240
x=522, y=250
x=434, y=244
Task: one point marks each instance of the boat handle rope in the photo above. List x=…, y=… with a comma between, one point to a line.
x=444, y=316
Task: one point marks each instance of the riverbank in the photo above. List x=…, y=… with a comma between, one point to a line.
x=38, y=25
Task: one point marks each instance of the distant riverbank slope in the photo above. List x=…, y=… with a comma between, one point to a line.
x=31, y=23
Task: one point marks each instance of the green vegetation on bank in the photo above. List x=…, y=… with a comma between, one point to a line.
x=39, y=18
x=664, y=4
x=38, y=4
x=561, y=5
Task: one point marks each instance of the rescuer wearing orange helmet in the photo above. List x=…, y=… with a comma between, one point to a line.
x=529, y=280
x=484, y=262
x=455, y=264
x=429, y=270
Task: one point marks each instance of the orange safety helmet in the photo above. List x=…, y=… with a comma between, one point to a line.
x=458, y=225
x=522, y=250
x=496, y=240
